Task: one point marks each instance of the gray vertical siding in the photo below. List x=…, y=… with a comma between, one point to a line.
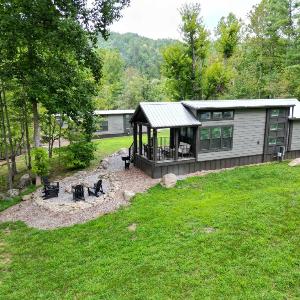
x=115, y=124
x=295, y=144
x=248, y=135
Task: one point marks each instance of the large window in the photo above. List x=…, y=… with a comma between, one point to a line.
x=215, y=115
x=216, y=138
x=104, y=124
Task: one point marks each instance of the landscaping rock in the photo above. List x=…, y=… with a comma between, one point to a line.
x=105, y=164
x=128, y=195
x=123, y=152
x=2, y=196
x=169, y=180
x=132, y=227
x=13, y=193
x=25, y=181
x=26, y=197
x=295, y=162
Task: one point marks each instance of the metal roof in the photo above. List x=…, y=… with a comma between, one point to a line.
x=168, y=114
x=247, y=103
x=114, y=112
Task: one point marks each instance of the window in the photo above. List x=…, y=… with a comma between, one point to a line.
x=189, y=132
x=183, y=131
x=205, y=115
x=273, y=141
x=104, y=124
x=216, y=138
x=277, y=127
x=276, y=113
x=216, y=115
x=127, y=124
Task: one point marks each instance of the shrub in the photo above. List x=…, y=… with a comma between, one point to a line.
x=40, y=164
x=78, y=155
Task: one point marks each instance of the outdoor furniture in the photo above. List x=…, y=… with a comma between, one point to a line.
x=126, y=160
x=184, y=149
x=50, y=190
x=94, y=191
x=78, y=192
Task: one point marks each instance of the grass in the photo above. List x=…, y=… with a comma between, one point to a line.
x=253, y=252
x=4, y=204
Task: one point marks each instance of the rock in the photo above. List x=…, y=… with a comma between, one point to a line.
x=295, y=162
x=2, y=196
x=128, y=195
x=209, y=229
x=105, y=164
x=132, y=227
x=26, y=197
x=123, y=152
x=68, y=190
x=169, y=180
x=13, y=193
x=25, y=181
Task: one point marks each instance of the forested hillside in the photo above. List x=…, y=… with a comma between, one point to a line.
x=141, y=53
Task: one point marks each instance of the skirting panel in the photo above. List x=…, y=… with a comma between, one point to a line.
x=182, y=168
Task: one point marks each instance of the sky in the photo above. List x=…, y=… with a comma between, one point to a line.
x=161, y=19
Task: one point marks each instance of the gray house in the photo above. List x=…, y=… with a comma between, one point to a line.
x=114, y=122
x=205, y=135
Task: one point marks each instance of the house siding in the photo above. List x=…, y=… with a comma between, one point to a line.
x=295, y=144
x=115, y=124
x=248, y=135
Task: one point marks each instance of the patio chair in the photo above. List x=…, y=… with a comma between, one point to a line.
x=78, y=192
x=184, y=149
x=50, y=190
x=96, y=190
x=126, y=160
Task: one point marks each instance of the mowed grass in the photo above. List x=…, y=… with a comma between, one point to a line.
x=231, y=235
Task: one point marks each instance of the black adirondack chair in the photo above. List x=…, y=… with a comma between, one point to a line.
x=96, y=190
x=50, y=190
x=126, y=160
x=78, y=192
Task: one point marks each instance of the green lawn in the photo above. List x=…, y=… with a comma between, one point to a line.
x=252, y=254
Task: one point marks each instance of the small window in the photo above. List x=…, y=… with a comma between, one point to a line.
x=216, y=133
x=275, y=113
x=272, y=141
x=104, y=124
x=205, y=115
x=228, y=115
x=217, y=115
x=280, y=141
x=227, y=132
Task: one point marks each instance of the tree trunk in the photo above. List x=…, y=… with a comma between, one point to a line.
x=36, y=125
x=9, y=173
x=28, y=148
x=36, y=133
x=12, y=148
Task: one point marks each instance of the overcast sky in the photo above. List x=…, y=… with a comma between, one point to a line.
x=161, y=19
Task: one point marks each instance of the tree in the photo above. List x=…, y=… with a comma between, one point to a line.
x=228, y=35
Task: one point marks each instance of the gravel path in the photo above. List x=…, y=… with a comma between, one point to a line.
x=40, y=216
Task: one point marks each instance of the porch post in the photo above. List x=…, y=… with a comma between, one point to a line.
x=197, y=141
x=134, y=138
x=172, y=138
x=154, y=144
x=140, y=139
x=176, y=131
x=149, y=142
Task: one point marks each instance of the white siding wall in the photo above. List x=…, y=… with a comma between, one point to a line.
x=248, y=135
x=295, y=145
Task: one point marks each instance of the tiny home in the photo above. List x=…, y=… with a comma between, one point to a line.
x=114, y=122
x=207, y=135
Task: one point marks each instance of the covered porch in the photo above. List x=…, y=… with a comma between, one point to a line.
x=171, y=136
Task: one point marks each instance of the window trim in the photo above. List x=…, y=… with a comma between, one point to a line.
x=216, y=149
x=212, y=113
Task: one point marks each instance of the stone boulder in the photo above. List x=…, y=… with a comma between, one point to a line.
x=2, y=196
x=295, y=162
x=26, y=197
x=123, y=152
x=105, y=164
x=13, y=193
x=128, y=195
x=25, y=181
x=169, y=180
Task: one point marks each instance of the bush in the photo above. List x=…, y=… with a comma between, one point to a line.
x=40, y=164
x=78, y=155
